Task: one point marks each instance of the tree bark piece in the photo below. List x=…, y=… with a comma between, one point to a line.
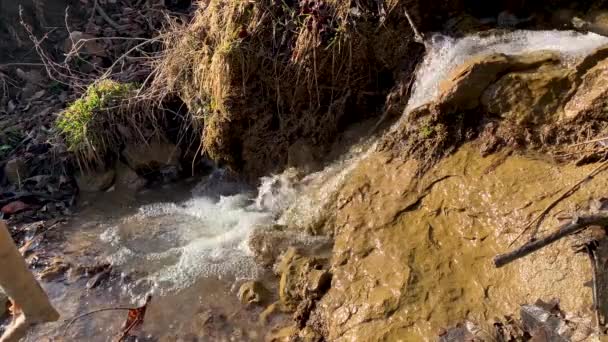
x=575, y=226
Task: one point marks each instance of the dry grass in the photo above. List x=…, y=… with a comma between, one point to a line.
x=258, y=75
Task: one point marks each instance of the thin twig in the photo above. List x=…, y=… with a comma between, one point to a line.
x=575, y=226
x=539, y=218
x=67, y=327
x=107, y=18
x=596, y=304
x=418, y=37
x=597, y=150
x=588, y=142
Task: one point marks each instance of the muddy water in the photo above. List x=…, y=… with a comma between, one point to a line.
x=184, y=244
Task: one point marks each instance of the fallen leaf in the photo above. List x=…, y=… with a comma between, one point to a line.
x=14, y=207
x=135, y=319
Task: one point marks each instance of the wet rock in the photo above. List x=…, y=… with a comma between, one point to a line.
x=15, y=171
x=253, y=292
x=301, y=278
x=269, y=311
x=127, y=178
x=94, y=181
x=468, y=332
x=530, y=97
x=464, y=86
x=590, y=99
x=544, y=321
x=267, y=244
x=56, y=268
x=459, y=333
x=152, y=156
x=284, y=334
x=99, y=278
x=303, y=156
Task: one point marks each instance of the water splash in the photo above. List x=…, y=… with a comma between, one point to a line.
x=444, y=54
x=175, y=244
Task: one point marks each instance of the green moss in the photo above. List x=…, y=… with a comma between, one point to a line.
x=77, y=122
x=426, y=131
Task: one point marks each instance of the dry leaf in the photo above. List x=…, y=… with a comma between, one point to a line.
x=135, y=319
x=14, y=207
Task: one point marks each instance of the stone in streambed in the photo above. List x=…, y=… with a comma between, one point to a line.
x=152, y=156
x=127, y=178
x=94, y=181
x=302, y=278
x=15, y=171
x=253, y=292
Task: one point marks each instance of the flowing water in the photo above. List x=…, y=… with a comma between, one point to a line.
x=187, y=244
x=444, y=54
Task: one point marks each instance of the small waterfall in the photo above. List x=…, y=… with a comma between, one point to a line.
x=444, y=54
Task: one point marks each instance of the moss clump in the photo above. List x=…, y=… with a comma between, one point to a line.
x=86, y=124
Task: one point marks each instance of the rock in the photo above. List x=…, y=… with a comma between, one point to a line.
x=590, y=99
x=301, y=278
x=284, y=334
x=303, y=156
x=94, y=181
x=127, y=178
x=592, y=60
x=252, y=292
x=464, y=86
x=267, y=244
x=542, y=322
x=530, y=97
x=151, y=156
x=15, y=171
x=54, y=270
x=268, y=311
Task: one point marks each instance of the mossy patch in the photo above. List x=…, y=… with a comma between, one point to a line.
x=87, y=124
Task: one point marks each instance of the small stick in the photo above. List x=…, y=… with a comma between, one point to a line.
x=588, y=142
x=418, y=37
x=596, y=304
x=539, y=218
x=597, y=150
x=67, y=327
x=570, y=228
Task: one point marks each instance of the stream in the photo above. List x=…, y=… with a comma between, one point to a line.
x=187, y=244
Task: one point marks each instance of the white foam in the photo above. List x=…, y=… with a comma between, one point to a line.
x=444, y=54
x=177, y=244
